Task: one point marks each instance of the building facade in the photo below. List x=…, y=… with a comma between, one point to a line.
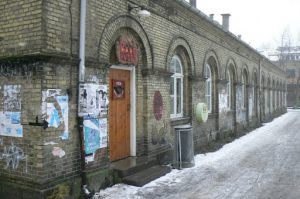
x=288, y=58
x=75, y=99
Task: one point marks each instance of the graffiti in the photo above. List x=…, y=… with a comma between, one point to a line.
x=12, y=155
x=12, y=97
x=10, y=69
x=159, y=136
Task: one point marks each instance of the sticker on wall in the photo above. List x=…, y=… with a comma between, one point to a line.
x=157, y=105
x=93, y=100
x=118, y=87
x=10, y=124
x=12, y=98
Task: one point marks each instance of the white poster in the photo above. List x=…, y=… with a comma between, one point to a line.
x=12, y=98
x=10, y=124
x=103, y=132
x=93, y=100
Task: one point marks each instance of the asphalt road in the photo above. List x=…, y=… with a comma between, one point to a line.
x=264, y=164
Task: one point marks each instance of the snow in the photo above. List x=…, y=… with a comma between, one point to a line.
x=208, y=166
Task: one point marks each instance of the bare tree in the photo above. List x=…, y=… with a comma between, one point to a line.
x=285, y=47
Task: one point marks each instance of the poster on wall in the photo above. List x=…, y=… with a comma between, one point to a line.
x=103, y=132
x=10, y=124
x=91, y=135
x=12, y=98
x=93, y=100
x=45, y=96
x=63, y=102
x=55, y=110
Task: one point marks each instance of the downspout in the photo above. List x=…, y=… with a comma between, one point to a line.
x=82, y=41
x=86, y=192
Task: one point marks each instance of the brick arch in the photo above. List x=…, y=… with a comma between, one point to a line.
x=211, y=55
x=269, y=81
x=246, y=71
x=182, y=48
x=110, y=34
x=263, y=78
x=231, y=65
x=255, y=77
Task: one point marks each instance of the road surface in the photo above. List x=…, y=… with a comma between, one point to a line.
x=264, y=164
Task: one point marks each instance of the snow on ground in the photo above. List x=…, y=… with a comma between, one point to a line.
x=205, y=164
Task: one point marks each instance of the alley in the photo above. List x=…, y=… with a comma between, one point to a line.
x=263, y=164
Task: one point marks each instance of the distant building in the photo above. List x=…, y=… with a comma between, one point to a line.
x=288, y=57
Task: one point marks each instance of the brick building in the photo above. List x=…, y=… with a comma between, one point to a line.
x=288, y=57
x=73, y=101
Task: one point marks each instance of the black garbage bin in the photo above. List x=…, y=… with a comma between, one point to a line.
x=184, y=147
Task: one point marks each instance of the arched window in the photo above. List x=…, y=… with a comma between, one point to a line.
x=208, y=89
x=229, y=90
x=176, y=88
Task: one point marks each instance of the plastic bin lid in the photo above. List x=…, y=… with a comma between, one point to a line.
x=184, y=126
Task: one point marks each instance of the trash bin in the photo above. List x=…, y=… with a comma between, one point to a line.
x=184, y=147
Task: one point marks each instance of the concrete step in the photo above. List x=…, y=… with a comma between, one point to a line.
x=147, y=175
x=132, y=165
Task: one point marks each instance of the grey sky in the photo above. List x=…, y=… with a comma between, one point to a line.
x=260, y=22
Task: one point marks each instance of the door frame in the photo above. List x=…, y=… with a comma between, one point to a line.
x=132, y=105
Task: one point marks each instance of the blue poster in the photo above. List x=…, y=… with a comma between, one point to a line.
x=91, y=135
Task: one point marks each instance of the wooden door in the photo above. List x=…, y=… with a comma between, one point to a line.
x=119, y=114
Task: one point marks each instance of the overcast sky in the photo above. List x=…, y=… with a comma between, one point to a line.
x=260, y=22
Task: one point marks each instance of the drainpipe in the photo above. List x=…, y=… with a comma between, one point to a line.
x=82, y=41
x=87, y=193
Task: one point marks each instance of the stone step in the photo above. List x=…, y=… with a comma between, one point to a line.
x=130, y=166
x=147, y=175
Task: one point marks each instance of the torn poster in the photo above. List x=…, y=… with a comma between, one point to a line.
x=103, y=132
x=12, y=98
x=45, y=95
x=52, y=116
x=10, y=124
x=91, y=135
x=57, y=151
x=63, y=102
x=58, y=113
x=93, y=100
